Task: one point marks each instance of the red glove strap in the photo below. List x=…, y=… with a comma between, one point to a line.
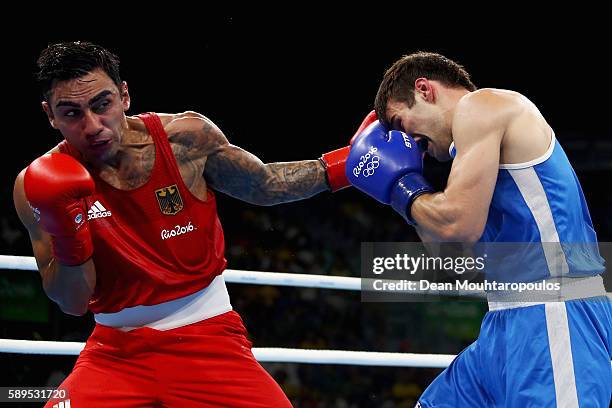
x=335, y=168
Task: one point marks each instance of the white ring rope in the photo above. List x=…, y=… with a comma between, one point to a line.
x=18, y=262
x=263, y=278
x=231, y=275
x=279, y=355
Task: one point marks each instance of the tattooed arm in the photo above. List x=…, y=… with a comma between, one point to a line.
x=242, y=175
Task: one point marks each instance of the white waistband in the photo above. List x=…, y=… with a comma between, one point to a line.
x=209, y=302
x=569, y=289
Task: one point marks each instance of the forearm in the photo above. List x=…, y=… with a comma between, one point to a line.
x=291, y=181
x=243, y=176
x=70, y=287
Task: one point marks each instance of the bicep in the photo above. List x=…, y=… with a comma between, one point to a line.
x=473, y=175
x=227, y=168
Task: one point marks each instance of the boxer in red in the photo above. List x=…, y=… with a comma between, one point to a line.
x=123, y=222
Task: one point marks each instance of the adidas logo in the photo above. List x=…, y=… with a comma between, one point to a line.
x=97, y=210
x=63, y=404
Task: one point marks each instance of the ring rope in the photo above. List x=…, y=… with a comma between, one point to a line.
x=272, y=354
x=265, y=278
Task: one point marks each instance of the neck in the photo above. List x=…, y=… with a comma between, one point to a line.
x=448, y=100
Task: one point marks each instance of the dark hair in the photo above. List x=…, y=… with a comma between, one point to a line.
x=398, y=81
x=69, y=60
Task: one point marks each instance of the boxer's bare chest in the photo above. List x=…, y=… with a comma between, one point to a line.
x=137, y=165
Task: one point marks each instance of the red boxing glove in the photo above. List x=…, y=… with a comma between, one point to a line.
x=335, y=162
x=367, y=121
x=57, y=184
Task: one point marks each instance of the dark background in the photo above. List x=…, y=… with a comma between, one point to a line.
x=289, y=88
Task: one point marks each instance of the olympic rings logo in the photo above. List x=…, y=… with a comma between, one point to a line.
x=371, y=166
x=366, y=165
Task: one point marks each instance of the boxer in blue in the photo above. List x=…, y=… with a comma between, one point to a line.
x=510, y=181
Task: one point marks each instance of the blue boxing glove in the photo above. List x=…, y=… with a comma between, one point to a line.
x=388, y=165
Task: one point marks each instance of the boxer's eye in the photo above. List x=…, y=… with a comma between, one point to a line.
x=101, y=106
x=423, y=144
x=397, y=125
x=71, y=113
x=422, y=141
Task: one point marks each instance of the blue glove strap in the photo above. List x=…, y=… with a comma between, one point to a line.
x=405, y=191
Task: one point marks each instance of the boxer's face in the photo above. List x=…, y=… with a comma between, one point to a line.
x=425, y=122
x=89, y=112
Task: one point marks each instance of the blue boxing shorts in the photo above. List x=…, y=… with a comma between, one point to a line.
x=553, y=354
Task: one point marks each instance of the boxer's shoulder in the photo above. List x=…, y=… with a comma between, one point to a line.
x=172, y=122
x=488, y=108
x=500, y=102
x=193, y=131
x=184, y=122
x=523, y=132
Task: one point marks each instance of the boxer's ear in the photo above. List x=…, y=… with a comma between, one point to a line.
x=125, y=96
x=423, y=87
x=47, y=108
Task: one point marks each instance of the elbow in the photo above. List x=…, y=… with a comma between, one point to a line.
x=469, y=238
x=266, y=195
x=459, y=224
x=461, y=232
x=74, y=310
x=69, y=303
x=261, y=201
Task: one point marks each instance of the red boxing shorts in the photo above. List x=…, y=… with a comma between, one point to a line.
x=204, y=364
